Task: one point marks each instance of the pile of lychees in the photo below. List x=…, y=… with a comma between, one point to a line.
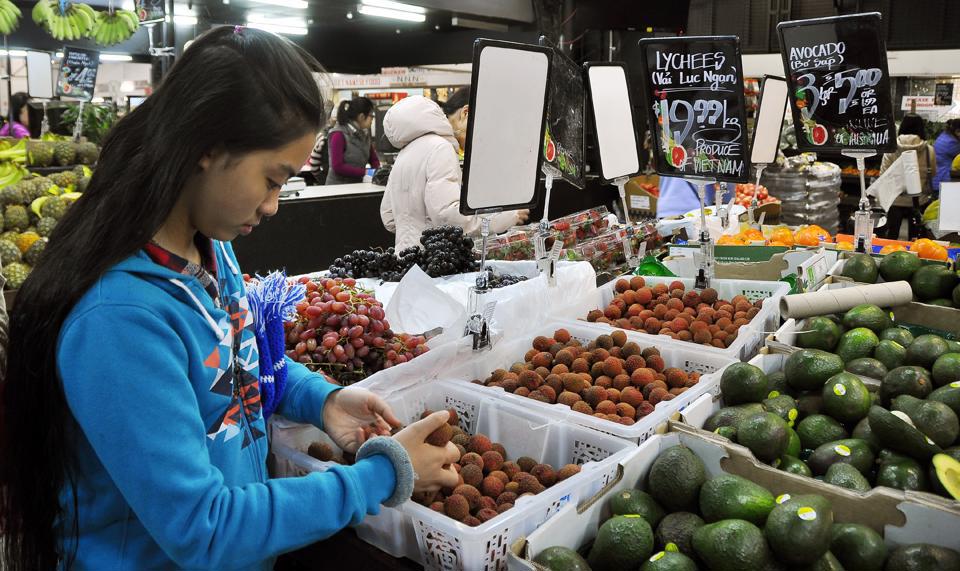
x=490, y=483
x=610, y=378
x=683, y=315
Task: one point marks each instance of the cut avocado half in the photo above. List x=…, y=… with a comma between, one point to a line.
x=948, y=472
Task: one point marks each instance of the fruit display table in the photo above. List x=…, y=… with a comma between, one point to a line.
x=294, y=239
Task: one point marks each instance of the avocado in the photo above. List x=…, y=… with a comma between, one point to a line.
x=933, y=281
x=623, y=542
x=925, y=350
x=783, y=406
x=934, y=419
x=899, y=266
x=818, y=333
x=891, y=353
x=731, y=545
x=818, y=429
x=851, y=451
x=906, y=474
x=887, y=455
x=869, y=316
x=731, y=416
x=731, y=497
x=898, y=334
x=867, y=367
x=675, y=478
x=948, y=395
x=798, y=530
x=946, y=369
x=637, y=502
x=941, y=302
x=794, y=465
x=846, y=476
x=945, y=473
x=728, y=432
x=894, y=433
x=777, y=384
x=669, y=561
x=857, y=547
x=559, y=558
x=923, y=557
x=907, y=380
x=861, y=268
x=863, y=432
x=794, y=446
x=765, y=435
x=857, y=343
x=954, y=346
x=809, y=369
x=828, y=562
x=677, y=528
x=846, y=398
x=809, y=403
x=743, y=383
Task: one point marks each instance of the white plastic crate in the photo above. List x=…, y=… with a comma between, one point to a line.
x=678, y=354
x=749, y=338
x=441, y=543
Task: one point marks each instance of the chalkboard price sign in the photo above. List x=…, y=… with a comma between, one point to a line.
x=694, y=101
x=78, y=73
x=563, y=140
x=839, y=83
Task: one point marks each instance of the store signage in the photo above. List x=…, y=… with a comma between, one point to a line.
x=919, y=103
x=695, y=104
x=943, y=94
x=78, y=73
x=839, y=83
x=150, y=10
x=563, y=140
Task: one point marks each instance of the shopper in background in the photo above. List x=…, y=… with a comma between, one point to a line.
x=947, y=146
x=351, y=146
x=679, y=196
x=912, y=136
x=319, y=161
x=423, y=190
x=133, y=434
x=21, y=117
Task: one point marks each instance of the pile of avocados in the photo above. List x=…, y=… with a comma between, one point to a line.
x=687, y=520
x=861, y=404
x=932, y=283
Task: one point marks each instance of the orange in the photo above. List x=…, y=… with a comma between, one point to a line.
x=845, y=246
x=926, y=248
x=812, y=235
x=782, y=234
x=728, y=240
x=779, y=243
x=889, y=248
x=751, y=234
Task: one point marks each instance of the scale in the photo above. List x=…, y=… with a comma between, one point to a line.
x=502, y=156
x=617, y=149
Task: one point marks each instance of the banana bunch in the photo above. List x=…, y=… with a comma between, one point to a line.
x=73, y=22
x=112, y=28
x=11, y=173
x=9, y=17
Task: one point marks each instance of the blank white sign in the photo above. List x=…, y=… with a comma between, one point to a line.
x=613, y=121
x=506, y=136
x=949, y=206
x=39, y=75
x=766, y=134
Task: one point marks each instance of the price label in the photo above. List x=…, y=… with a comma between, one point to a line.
x=639, y=202
x=563, y=147
x=695, y=103
x=78, y=73
x=839, y=83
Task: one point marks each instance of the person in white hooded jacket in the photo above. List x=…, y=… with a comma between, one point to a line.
x=912, y=136
x=423, y=190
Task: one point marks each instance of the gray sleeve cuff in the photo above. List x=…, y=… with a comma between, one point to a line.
x=401, y=465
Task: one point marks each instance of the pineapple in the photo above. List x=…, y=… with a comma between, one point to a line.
x=54, y=207
x=87, y=153
x=64, y=153
x=10, y=236
x=82, y=184
x=45, y=226
x=39, y=153
x=64, y=179
x=9, y=253
x=32, y=255
x=16, y=273
x=12, y=195
x=16, y=217
x=25, y=240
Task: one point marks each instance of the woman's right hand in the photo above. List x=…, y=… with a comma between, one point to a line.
x=432, y=465
x=522, y=216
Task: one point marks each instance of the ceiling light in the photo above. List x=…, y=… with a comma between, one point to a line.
x=184, y=20
x=14, y=53
x=298, y=4
x=116, y=57
x=390, y=5
x=393, y=14
x=349, y=15
x=287, y=26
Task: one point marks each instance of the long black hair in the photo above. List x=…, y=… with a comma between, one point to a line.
x=17, y=102
x=234, y=89
x=350, y=109
x=456, y=101
x=913, y=124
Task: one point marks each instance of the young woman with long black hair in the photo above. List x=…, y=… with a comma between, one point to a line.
x=132, y=431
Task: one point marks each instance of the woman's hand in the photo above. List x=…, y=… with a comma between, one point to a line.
x=351, y=416
x=432, y=465
x=522, y=217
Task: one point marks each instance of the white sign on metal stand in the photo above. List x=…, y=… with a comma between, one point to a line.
x=766, y=133
x=502, y=155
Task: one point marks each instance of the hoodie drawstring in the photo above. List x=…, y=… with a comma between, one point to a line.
x=196, y=301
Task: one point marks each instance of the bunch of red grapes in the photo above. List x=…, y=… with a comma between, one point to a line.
x=342, y=330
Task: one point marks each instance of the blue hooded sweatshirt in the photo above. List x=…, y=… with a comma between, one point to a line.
x=947, y=147
x=170, y=440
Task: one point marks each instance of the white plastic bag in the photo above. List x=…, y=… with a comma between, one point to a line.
x=418, y=306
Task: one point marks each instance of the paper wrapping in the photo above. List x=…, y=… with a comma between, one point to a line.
x=825, y=302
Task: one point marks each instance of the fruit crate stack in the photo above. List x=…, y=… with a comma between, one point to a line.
x=573, y=229
x=809, y=193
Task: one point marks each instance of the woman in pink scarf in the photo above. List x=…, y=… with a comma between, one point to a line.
x=21, y=115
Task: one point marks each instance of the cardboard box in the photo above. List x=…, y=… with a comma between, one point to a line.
x=641, y=202
x=900, y=517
